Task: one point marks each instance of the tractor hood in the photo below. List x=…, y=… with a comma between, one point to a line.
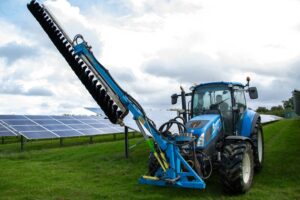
x=205, y=128
x=202, y=124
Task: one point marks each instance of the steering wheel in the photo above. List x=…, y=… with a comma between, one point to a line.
x=215, y=105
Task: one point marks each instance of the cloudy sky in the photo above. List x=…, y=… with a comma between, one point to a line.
x=151, y=47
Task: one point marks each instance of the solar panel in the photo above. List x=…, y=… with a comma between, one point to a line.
x=28, y=128
x=159, y=116
x=83, y=117
x=68, y=133
x=98, y=111
x=12, y=117
x=79, y=126
x=91, y=131
x=70, y=121
x=89, y=121
x=18, y=122
x=50, y=126
x=40, y=117
x=7, y=133
x=47, y=122
x=99, y=125
x=4, y=131
x=62, y=117
x=38, y=134
x=108, y=130
x=57, y=127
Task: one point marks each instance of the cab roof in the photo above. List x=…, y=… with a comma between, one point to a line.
x=220, y=83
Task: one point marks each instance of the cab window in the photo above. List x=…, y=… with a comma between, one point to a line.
x=211, y=98
x=240, y=101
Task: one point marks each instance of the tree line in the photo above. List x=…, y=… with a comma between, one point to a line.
x=280, y=110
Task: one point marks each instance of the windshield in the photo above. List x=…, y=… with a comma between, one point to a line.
x=212, y=98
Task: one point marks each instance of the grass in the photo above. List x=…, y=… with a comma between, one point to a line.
x=100, y=171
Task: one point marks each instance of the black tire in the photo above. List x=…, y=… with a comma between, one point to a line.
x=234, y=176
x=153, y=164
x=258, y=157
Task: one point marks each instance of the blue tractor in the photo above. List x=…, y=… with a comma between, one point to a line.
x=217, y=132
x=230, y=135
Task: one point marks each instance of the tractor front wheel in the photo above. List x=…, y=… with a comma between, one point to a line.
x=258, y=147
x=237, y=167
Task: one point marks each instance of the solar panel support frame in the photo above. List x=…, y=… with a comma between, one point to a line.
x=22, y=142
x=61, y=141
x=126, y=142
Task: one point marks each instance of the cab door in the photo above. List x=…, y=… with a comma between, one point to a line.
x=239, y=109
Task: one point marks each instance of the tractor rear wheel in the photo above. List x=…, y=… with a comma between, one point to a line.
x=258, y=147
x=237, y=167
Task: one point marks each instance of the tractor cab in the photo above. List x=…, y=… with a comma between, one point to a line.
x=213, y=98
x=224, y=98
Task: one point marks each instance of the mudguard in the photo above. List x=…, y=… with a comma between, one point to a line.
x=238, y=137
x=250, y=118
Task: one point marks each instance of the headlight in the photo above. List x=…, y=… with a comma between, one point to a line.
x=200, y=142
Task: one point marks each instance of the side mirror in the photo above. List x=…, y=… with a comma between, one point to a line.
x=174, y=99
x=253, y=92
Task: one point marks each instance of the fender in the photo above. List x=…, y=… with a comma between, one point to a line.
x=249, y=120
x=238, y=138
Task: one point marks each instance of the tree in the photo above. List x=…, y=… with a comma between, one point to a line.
x=288, y=104
x=277, y=108
x=262, y=109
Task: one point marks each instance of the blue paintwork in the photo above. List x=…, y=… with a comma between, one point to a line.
x=214, y=122
x=247, y=120
x=174, y=158
x=183, y=180
x=222, y=83
x=82, y=48
x=211, y=118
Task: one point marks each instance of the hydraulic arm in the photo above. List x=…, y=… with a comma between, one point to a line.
x=116, y=103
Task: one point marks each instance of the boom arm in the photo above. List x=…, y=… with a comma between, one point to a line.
x=116, y=103
x=119, y=96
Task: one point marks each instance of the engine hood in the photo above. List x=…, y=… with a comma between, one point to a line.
x=202, y=123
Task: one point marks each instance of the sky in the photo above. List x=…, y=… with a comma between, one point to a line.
x=150, y=47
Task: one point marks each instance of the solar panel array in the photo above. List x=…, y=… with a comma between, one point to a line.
x=159, y=116
x=46, y=126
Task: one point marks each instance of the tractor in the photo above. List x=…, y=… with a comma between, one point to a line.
x=218, y=131
x=230, y=135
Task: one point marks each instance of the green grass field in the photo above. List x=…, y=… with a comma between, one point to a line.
x=100, y=171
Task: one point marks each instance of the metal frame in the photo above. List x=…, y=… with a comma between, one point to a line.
x=126, y=142
x=172, y=172
x=23, y=141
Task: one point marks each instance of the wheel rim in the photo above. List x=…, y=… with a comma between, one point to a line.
x=259, y=146
x=246, y=168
